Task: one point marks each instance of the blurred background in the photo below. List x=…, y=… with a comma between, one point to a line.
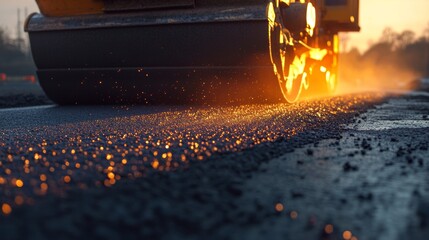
x=391, y=49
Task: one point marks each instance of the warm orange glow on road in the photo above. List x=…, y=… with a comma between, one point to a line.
x=6, y=209
x=347, y=235
x=19, y=183
x=192, y=134
x=279, y=207
x=329, y=229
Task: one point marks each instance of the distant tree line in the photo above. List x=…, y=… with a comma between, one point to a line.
x=395, y=57
x=14, y=61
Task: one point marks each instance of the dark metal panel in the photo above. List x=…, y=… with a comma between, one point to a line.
x=39, y=22
x=127, y=5
x=184, y=45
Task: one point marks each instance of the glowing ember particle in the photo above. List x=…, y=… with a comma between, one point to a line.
x=124, y=161
x=44, y=187
x=109, y=156
x=77, y=165
x=19, y=200
x=6, y=209
x=279, y=207
x=293, y=214
x=347, y=235
x=42, y=177
x=155, y=164
x=2, y=180
x=67, y=179
x=73, y=151
x=19, y=183
x=111, y=175
x=329, y=228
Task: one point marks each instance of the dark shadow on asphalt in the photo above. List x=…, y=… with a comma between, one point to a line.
x=28, y=117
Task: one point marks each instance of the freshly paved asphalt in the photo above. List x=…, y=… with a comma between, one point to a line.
x=352, y=166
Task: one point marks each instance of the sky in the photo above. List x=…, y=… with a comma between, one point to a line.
x=375, y=15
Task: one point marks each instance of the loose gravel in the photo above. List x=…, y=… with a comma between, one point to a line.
x=158, y=175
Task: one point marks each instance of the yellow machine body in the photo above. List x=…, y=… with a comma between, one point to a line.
x=58, y=8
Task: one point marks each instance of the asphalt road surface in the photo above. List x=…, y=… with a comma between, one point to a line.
x=20, y=93
x=349, y=167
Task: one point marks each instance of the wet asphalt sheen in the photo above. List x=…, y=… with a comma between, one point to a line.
x=346, y=167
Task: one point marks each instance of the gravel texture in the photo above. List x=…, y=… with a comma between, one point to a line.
x=20, y=93
x=311, y=170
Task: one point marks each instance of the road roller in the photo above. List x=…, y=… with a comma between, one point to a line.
x=188, y=51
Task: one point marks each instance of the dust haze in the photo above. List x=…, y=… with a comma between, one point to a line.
x=395, y=63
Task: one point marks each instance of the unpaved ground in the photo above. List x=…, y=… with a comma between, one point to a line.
x=352, y=165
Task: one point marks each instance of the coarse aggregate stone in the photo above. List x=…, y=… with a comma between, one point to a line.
x=207, y=172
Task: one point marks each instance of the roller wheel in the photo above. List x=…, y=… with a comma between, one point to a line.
x=323, y=78
x=288, y=67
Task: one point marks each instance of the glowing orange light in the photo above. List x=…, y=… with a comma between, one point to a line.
x=111, y=175
x=42, y=177
x=44, y=187
x=318, y=54
x=336, y=43
x=19, y=183
x=347, y=235
x=6, y=209
x=293, y=214
x=155, y=164
x=67, y=179
x=329, y=228
x=279, y=207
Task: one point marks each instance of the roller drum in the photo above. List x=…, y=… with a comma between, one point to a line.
x=177, y=56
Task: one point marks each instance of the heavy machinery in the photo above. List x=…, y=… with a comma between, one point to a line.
x=180, y=51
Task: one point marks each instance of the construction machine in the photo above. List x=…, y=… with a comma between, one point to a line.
x=184, y=51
